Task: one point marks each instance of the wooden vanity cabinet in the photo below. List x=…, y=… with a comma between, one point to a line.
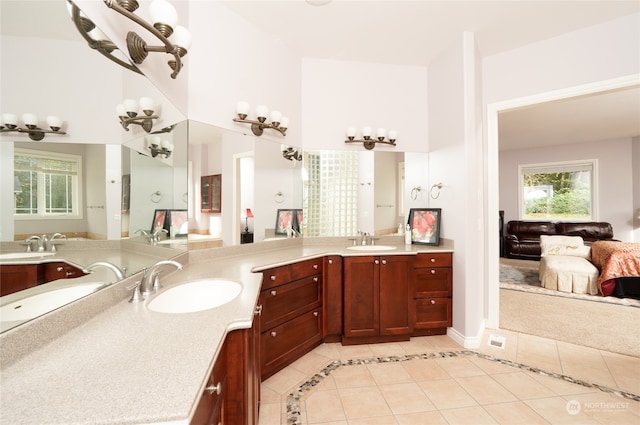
x=291, y=319
x=378, y=304
x=332, y=298
x=432, y=293
x=17, y=277
x=211, y=406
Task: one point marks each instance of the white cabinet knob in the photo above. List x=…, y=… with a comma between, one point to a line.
x=273, y=293
x=433, y=301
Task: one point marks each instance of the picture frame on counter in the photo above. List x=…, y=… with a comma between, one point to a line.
x=425, y=225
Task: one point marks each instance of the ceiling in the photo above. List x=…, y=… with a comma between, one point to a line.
x=414, y=33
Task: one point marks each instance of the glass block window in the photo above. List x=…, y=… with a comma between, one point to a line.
x=331, y=193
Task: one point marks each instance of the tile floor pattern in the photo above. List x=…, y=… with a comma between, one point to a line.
x=433, y=380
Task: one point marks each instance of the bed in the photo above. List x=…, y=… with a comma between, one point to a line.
x=619, y=266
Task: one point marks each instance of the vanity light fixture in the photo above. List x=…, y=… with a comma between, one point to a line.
x=10, y=123
x=159, y=146
x=369, y=142
x=290, y=153
x=176, y=39
x=128, y=113
x=278, y=122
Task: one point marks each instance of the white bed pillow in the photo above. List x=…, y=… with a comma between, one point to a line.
x=572, y=246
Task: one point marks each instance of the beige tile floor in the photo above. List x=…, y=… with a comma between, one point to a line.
x=466, y=389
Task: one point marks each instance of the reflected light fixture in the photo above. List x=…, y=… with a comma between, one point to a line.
x=290, y=153
x=10, y=123
x=159, y=146
x=128, y=112
x=278, y=122
x=175, y=39
x=369, y=142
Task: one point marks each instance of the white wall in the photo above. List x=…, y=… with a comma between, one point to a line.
x=338, y=94
x=615, y=187
x=635, y=159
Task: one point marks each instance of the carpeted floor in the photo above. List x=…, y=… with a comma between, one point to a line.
x=605, y=323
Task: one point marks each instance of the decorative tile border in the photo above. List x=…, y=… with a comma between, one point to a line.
x=294, y=398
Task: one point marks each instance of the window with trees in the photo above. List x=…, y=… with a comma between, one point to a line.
x=47, y=184
x=558, y=191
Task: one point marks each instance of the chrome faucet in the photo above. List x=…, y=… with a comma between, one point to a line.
x=52, y=239
x=29, y=242
x=115, y=269
x=44, y=242
x=363, y=237
x=155, y=236
x=150, y=278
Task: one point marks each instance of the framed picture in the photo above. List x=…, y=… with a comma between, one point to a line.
x=159, y=220
x=288, y=218
x=425, y=225
x=178, y=223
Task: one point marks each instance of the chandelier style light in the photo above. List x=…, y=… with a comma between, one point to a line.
x=128, y=112
x=175, y=39
x=369, y=142
x=159, y=146
x=10, y=123
x=278, y=122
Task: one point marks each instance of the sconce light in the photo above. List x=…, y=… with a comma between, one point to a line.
x=10, y=123
x=290, y=153
x=369, y=142
x=278, y=122
x=159, y=146
x=176, y=39
x=128, y=113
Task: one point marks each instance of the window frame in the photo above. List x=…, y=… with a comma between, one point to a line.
x=77, y=184
x=561, y=166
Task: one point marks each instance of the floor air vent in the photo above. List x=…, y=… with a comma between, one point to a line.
x=497, y=341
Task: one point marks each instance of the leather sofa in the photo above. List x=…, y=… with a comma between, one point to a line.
x=522, y=238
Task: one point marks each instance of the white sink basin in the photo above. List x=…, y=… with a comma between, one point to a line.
x=39, y=304
x=195, y=296
x=24, y=255
x=371, y=247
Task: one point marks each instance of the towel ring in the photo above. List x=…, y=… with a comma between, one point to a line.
x=415, y=191
x=279, y=197
x=156, y=197
x=437, y=191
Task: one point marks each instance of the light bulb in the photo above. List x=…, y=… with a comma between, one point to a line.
x=30, y=119
x=131, y=106
x=181, y=37
x=276, y=116
x=242, y=108
x=10, y=120
x=163, y=12
x=381, y=133
x=262, y=111
x=393, y=135
x=120, y=110
x=351, y=132
x=284, y=122
x=54, y=122
x=366, y=131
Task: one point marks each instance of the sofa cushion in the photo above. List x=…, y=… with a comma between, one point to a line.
x=572, y=246
x=589, y=231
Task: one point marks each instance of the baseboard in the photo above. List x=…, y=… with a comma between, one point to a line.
x=467, y=341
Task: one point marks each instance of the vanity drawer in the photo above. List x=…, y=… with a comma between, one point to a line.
x=284, y=302
x=283, y=344
x=306, y=268
x=433, y=313
x=276, y=276
x=430, y=259
x=432, y=282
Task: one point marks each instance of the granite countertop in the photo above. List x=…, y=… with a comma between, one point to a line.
x=127, y=364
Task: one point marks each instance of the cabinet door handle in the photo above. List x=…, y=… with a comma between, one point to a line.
x=384, y=261
x=273, y=277
x=330, y=261
x=315, y=266
x=273, y=293
x=315, y=279
x=433, y=271
x=433, y=260
x=258, y=311
x=315, y=313
x=433, y=301
x=273, y=333
x=60, y=268
x=376, y=262
x=69, y=274
x=214, y=388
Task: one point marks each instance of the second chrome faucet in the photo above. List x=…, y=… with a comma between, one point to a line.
x=151, y=280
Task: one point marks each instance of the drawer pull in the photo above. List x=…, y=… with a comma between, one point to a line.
x=315, y=266
x=258, y=311
x=214, y=388
x=69, y=274
x=273, y=333
x=315, y=279
x=273, y=277
x=330, y=261
x=315, y=313
x=273, y=293
x=384, y=261
x=433, y=271
x=60, y=268
x=376, y=262
x=433, y=260
x=433, y=301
